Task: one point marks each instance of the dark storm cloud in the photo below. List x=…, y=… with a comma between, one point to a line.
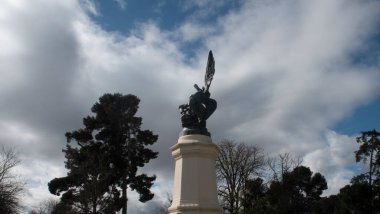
x=46, y=67
x=38, y=94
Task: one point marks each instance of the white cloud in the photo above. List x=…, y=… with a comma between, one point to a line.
x=39, y=160
x=190, y=31
x=284, y=77
x=90, y=6
x=36, y=175
x=122, y=4
x=335, y=159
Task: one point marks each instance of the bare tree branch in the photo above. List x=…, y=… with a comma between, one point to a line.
x=11, y=186
x=236, y=163
x=282, y=164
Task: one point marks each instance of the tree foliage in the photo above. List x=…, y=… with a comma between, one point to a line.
x=236, y=164
x=49, y=206
x=330, y=205
x=363, y=194
x=104, y=162
x=11, y=186
x=87, y=184
x=297, y=192
x=293, y=188
x=253, y=199
x=369, y=152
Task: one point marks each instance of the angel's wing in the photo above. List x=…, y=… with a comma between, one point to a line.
x=210, y=70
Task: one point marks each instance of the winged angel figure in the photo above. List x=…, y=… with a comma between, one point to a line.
x=200, y=106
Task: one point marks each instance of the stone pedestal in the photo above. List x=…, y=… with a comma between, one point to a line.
x=195, y=189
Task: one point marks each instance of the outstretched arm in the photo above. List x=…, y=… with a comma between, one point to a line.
x=197, y=87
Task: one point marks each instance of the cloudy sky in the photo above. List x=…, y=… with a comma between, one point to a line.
x=291, y=76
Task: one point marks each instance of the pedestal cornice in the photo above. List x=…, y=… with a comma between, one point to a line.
x=194, y=145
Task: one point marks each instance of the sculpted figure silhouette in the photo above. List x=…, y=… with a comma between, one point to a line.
x=200, y=106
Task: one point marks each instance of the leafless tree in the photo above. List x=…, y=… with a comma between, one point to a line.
x=282, y=164
x=46, y=207
x=11, y=186
x=236, y=164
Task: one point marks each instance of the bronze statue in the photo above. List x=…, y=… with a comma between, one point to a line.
x=200, y=106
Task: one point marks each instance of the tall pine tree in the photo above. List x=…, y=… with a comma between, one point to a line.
x=369, y=152
x=110, y=149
